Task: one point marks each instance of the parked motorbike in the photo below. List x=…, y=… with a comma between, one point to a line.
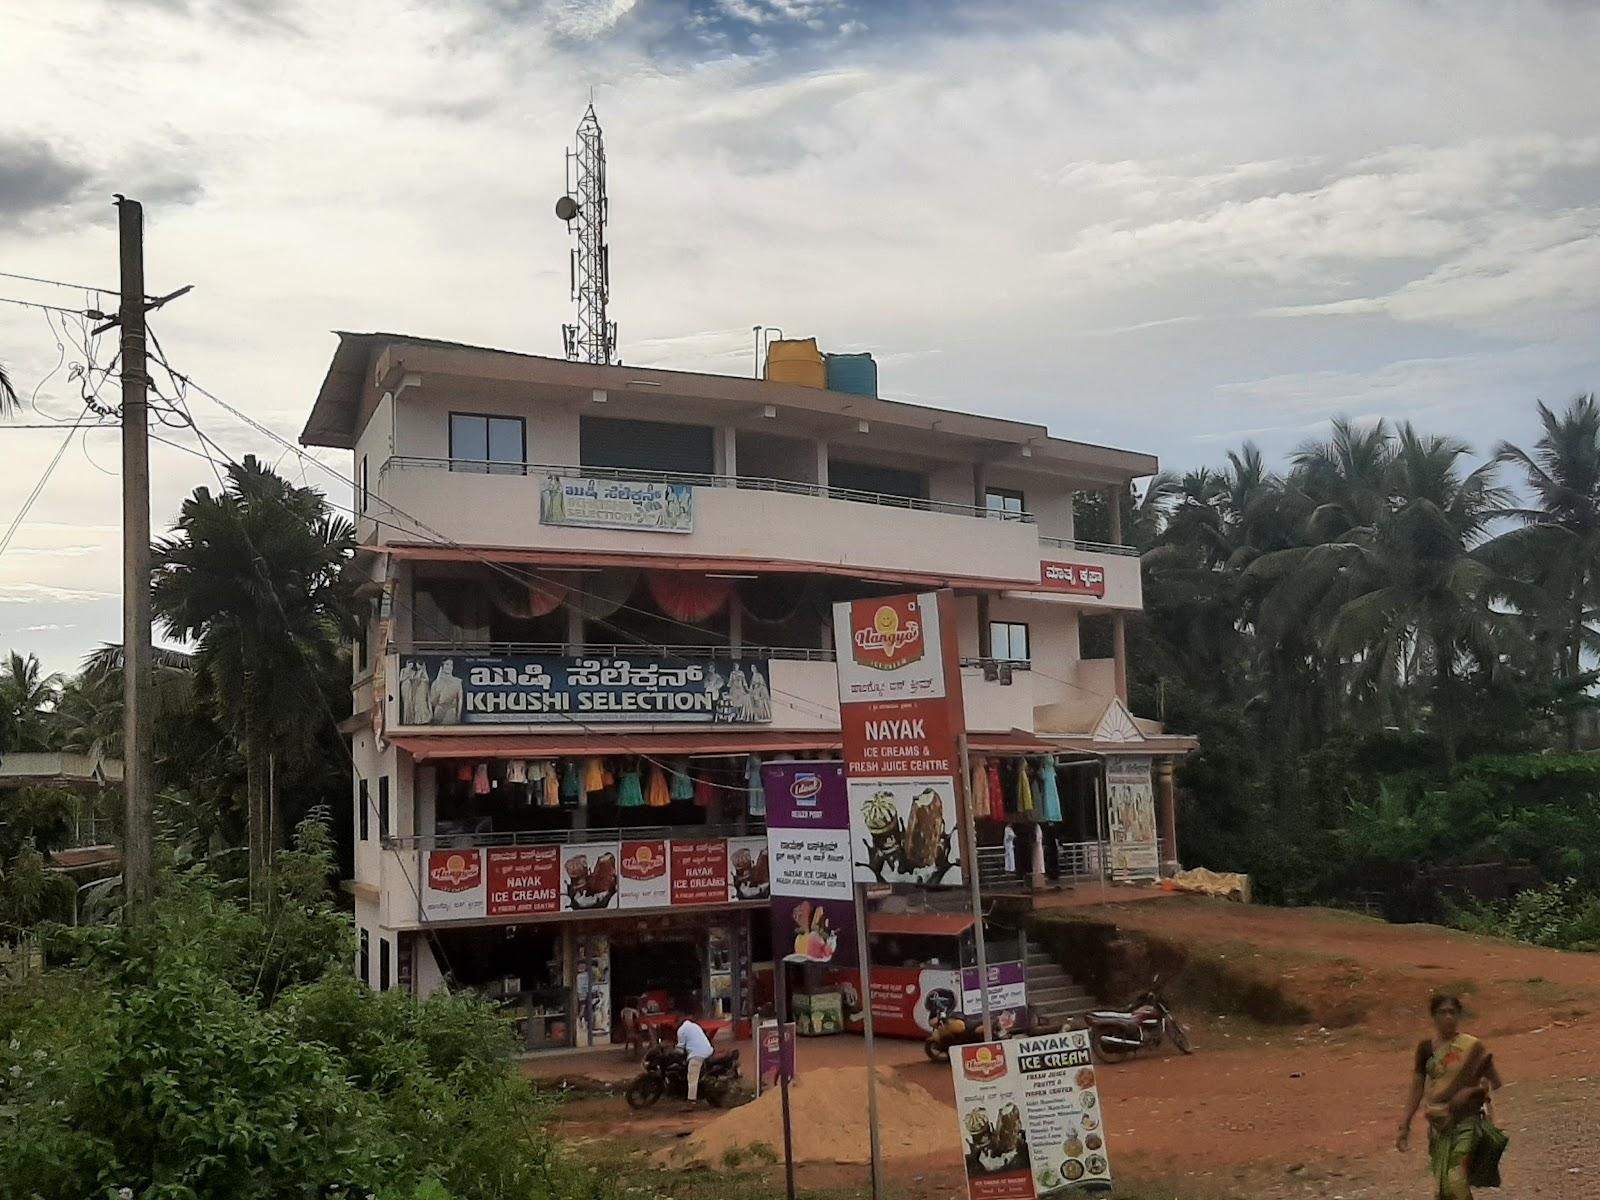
x=1116, y=1035
x=951, y=1028
x=666, y=1073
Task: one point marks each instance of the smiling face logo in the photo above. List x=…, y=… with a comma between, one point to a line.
x=886, y=634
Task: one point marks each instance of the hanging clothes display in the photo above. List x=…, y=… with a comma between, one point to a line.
x=480, y=780
x=629, y=793
x=552, y=786
x=571, y=785
x=1024, y=789
x=1038, y=851
x=516, y=771
x=979, y=798
x=1011, y=850
x=752, y=778
x=682, y=787
x=657, y=794
x=997, y=792
x=1050, y=792
x=594, y=776
x=702, y=792
x=464, y=773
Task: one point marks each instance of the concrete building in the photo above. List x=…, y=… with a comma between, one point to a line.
x=601, y=597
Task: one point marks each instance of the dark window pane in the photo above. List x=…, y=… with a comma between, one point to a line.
x=506, y=444
x=362, y=805
x=383, y=806
x=469, y=442
x=383, y=964
x=364, y=963
x=645, y=446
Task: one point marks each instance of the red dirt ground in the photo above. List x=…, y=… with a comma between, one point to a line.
x=1273, y=1113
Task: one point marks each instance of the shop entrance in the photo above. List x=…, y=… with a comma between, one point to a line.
x=669, y=969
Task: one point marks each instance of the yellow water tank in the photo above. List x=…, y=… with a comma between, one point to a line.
x=797, y=360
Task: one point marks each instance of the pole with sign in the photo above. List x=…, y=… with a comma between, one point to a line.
x=871, y=1042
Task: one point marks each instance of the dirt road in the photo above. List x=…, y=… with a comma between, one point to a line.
x=1274, y=1113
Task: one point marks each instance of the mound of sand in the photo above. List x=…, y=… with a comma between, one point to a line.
x=828, y=1109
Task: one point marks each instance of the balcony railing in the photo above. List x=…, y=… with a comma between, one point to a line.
x=745, y=483
x=1089, y=547
x=573, y=837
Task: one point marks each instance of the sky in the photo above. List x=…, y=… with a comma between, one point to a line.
x=1167, y=226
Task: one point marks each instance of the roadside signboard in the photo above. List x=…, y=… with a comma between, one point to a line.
x=808, y=852
x=774, y=1055
x=1131, y=809
x=1030, y=1118
x=901, y=714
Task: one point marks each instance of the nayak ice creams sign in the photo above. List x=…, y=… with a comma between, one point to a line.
x=901, y=713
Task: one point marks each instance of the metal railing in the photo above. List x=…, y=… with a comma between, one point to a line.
x=572, y=837
x=743, y=483
x=1089, y=547
x=639, y=649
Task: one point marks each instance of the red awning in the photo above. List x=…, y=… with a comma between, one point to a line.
x=580, y=743
x=598, y=742
x=920, y=924
x=681, y=562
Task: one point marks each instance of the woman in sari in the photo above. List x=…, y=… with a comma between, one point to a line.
x=1453, y=1073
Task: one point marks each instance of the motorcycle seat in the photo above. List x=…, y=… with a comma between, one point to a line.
x=726, y=1058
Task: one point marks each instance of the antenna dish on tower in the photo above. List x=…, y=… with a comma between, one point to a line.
x=592, y=338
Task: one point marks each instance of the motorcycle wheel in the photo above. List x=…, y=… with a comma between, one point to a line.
x=1179, y=1036
x=717, y=1093
x=1108, y=1054
x=644, y=1091
x=936, y=1051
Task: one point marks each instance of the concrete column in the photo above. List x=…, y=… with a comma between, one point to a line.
x=735, y=622
x=980, y=485
x=1167, y=816
x=1114, y=513
x=1119, y=653
x=575, y=630
x=822, y=463
x=725, y=451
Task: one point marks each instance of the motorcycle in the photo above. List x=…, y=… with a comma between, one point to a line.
x=666, y=1073
x=1117, y=1035
x=950, y=1028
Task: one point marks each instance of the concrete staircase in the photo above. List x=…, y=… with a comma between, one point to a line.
x=1052, y=994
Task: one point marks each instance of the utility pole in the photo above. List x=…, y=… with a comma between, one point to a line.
x=137, y=681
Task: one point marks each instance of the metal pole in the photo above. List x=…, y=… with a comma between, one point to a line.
x=872, y=1055
x=969, y=855
x=1099, y=825
x=780, y=981
x=137, y=778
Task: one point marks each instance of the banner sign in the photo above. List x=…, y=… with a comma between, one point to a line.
x=1131, y=816
x=808, y=851
x=908, y=1001
x=532, y=689
x=1030, y=1118
x=1077, y=579
x=616, y=504
x=901, y=714
x=774, y=1055
x=699, y=873
x=1008, y=993
x=579, y=877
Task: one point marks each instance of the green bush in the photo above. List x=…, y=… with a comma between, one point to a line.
x=220, y=1051
x=1562, y=916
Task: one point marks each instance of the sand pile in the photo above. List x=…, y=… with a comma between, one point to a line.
x=828, y=1108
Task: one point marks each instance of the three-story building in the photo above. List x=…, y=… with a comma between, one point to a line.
x=601, y=598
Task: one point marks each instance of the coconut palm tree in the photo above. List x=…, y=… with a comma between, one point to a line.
x=27, y=699
x=253, y=577
x=8, y=394
x=1556, y=545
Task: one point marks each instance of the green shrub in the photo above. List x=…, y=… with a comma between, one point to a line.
x=1562, y=916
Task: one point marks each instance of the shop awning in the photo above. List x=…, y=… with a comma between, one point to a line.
x=1015, y=742
x=590, y=559
x=920, y=924
x=580, y=745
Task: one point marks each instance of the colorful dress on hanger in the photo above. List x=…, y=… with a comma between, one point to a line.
x=752, y=778
x=552, y=787
x=682, y=787
x=702, y=791
x=571, y=785
x=594, y=776
x=1024, y=790
x=997, y=792
x=629, y=793
x=1050, y=793
x=657, y=794
x=980, y=789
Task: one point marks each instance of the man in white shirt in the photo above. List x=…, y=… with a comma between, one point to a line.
x=694, y=1042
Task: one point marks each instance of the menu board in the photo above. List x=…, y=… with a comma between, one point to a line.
x=1030, y=1117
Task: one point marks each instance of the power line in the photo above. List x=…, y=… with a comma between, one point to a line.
x=77, y=312
x=38, y=488
x=77, y=287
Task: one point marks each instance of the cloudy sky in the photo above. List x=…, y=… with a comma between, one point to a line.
x=1170, y=226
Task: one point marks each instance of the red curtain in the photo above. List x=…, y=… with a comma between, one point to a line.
x=689, y=596
x=535, y=599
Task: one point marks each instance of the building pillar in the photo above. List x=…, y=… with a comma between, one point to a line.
x=575, y=630
x=735, y=623
x=725, y=451
x=1114, y=513
x=822, y=463
x=1119, y=653
x=1167, y=816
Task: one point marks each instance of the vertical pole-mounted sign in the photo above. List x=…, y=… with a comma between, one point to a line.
x=902, y=718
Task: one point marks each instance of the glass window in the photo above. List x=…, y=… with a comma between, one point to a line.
x=487, y=445
x=383, y=964
x=361, y=808
x=1003, y=503
x=1008, y=641
x=364, y=961
x=383, y=807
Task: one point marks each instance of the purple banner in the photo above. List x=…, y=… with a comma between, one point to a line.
x=808, y=855
x=805, y=795
x=1008, y=989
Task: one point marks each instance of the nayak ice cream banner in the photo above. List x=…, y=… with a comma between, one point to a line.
x=901, y=714
x=808, y=849
x=1030, y=1118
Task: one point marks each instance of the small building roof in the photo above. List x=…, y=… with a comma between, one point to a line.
x=28, y=769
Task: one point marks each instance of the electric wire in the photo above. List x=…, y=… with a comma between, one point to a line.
x=38, y=489
x=76, y=287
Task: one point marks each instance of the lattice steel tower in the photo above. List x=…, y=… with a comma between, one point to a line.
x=593, y=338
